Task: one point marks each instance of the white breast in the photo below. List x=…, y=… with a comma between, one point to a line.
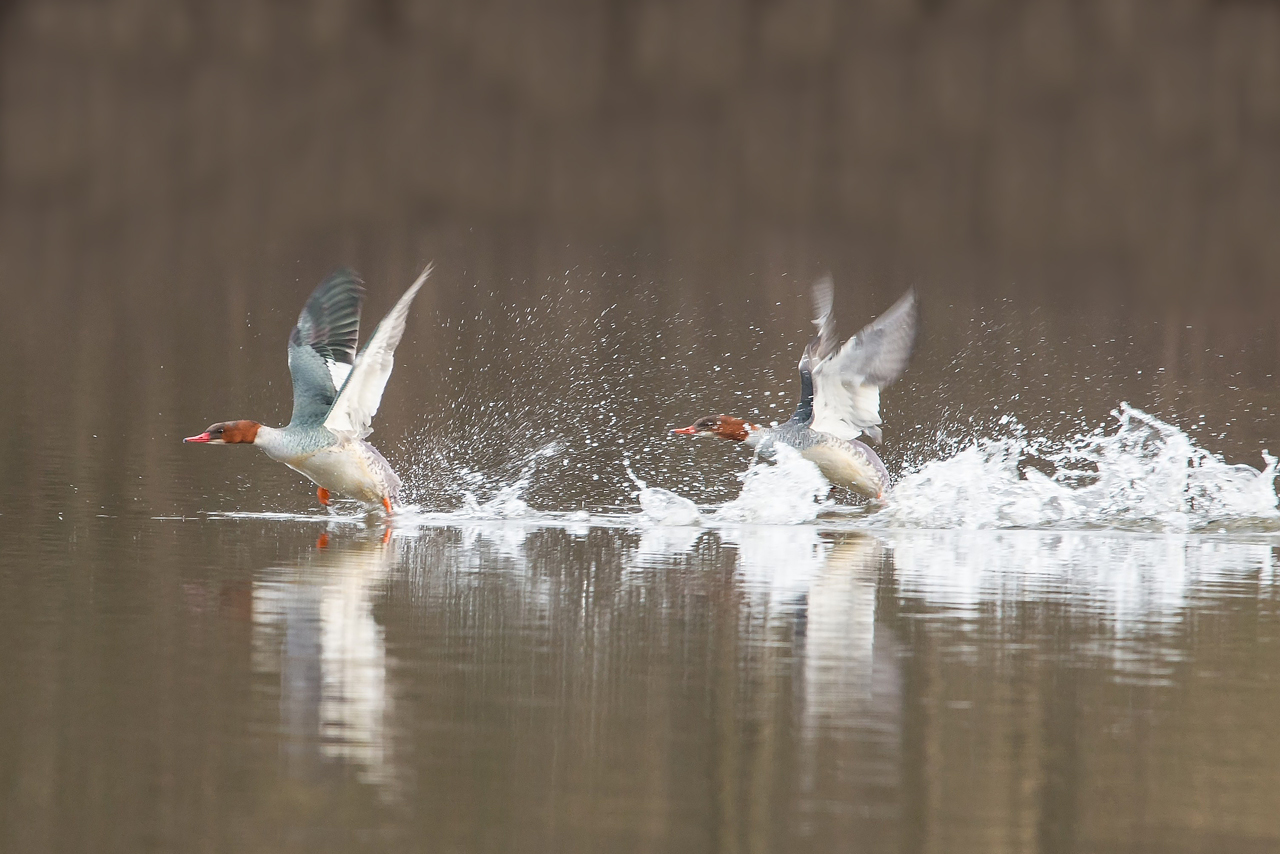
x=846, y=467
x=343, y=468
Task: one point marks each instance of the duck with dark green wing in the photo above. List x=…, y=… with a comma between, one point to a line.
x=336, y=393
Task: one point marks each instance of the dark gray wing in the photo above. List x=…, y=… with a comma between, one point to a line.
x=322, y=347
x=847, y=383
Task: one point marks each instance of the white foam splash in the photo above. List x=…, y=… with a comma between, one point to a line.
x=1142, y=475
x=1146, y=475
x=789, y=492
x=662, y=506
x=507, y=502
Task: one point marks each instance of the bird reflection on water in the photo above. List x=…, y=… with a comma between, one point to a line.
x=314, y=626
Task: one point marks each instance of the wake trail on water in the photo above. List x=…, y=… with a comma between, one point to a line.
x=1142, y=475
x=1138, y=473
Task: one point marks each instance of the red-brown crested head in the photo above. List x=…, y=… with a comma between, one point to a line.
x=228, y=433
x=724, y=426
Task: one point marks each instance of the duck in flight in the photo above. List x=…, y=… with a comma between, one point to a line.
x=336, y=393
x=839, y=397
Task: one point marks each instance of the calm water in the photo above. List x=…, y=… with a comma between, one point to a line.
x=234, y=684
x=584, y=634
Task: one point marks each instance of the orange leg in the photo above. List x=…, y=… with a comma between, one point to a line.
x=323, y=541
x=386, y=505
x=323, y=495
x=386, y=535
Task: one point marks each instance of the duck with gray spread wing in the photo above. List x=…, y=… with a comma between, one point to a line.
x=839, y=396
x=336, y=393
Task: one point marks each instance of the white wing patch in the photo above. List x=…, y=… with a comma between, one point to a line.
x=847, y=383
x=339, y=371
x=845, y=409
x=359, y=398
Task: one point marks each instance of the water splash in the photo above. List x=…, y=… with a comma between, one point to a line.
x=788, y=492
x=1142, y=474
x=662, y=506
x=1147, y=475
x=507, y=501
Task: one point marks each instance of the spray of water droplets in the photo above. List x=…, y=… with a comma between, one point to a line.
x=1144, y=474
x=1140, y=474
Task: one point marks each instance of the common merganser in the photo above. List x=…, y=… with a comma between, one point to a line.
x=336, y=393
x=839, y=397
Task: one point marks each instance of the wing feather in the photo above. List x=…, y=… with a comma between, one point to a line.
x=358, y=400
x=847, y=382
x=322, y=345
x=825, y=342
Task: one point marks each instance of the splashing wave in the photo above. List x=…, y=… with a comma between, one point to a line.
x=1144, y=475
x=788, y=492
x=1147, y=475
x=507, y=501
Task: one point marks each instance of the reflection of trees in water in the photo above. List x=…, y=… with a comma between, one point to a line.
x=994, y=690
x=1135, y=591
x=1080, y=685
x=852, y=690
x=765, y=687
x=811, y=734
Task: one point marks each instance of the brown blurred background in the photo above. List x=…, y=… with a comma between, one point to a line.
x=174, y=176
x=626, y=202
x=1058, y=146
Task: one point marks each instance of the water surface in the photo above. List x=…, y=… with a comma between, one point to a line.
x=583, y=634
x=242, y=684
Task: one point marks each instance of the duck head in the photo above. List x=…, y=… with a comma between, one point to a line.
x=228, y=433
x=724, y=426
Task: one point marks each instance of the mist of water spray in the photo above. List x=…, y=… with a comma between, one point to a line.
x=1145, y=475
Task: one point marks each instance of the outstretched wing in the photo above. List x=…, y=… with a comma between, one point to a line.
x=820, y=347
x=847, y=382
x=358, y=400
x=322, y=347
x=825, y=342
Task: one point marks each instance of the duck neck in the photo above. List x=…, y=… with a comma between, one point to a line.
x=272, y=441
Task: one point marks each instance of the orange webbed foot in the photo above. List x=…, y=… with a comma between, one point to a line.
x=323, y=495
